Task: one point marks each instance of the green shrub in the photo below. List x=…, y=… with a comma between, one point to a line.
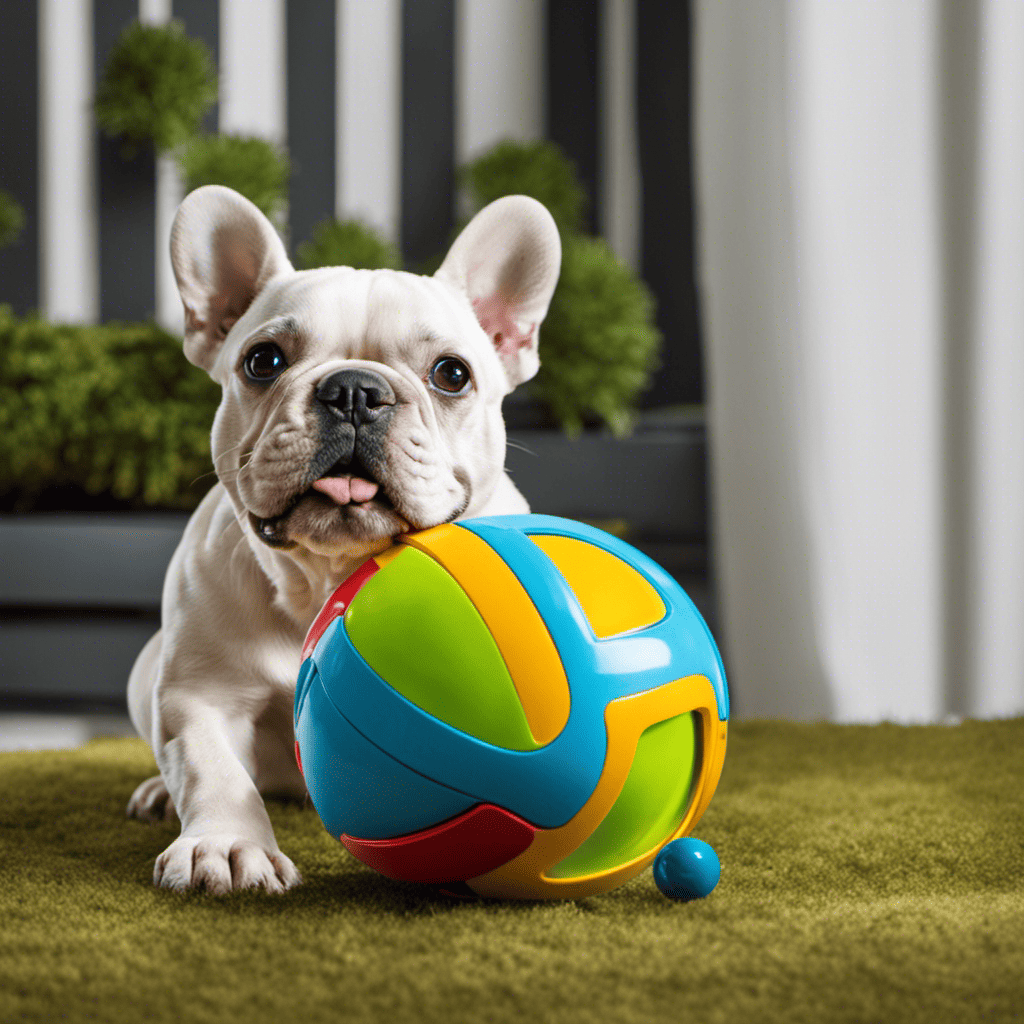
x=114, y=410
x=156, y=86
x=252, y=166
x=348, y=243
x=12, y=219
x=598, y=344
x=537, y=169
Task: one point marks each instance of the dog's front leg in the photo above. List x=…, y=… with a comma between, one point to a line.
x=226, y=841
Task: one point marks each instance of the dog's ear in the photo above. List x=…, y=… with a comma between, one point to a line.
x=506, y=261
x=224, y=251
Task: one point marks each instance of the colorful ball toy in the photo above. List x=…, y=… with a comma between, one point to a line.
x=523, y=705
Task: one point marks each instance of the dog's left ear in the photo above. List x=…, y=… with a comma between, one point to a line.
x=506, y=261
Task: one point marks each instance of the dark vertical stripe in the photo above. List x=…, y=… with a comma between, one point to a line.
x=428, y=127
x=664, y=129
x=959, y=91
x=127, y=197
x=573, y=118
x=19, y=151
x=201, y=19
x=311, y=115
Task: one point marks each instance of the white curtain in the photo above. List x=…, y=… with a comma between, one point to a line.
x=860, y=179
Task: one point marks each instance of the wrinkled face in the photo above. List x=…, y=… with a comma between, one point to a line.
x=357, y=404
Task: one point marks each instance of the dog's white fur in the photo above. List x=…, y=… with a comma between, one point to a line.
x=212, y=691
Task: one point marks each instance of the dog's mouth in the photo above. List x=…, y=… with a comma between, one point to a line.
x=348, y=489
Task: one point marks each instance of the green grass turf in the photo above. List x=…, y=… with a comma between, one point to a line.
x=868, y=874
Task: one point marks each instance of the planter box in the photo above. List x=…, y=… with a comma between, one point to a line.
x=79, y=597
x=654, y=480
x=80, y=593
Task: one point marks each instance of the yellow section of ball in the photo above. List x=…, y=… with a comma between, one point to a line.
x=615, y=598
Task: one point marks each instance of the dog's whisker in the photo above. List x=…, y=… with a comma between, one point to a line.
x=519, y=447
x=228, y=451
x=202, y=476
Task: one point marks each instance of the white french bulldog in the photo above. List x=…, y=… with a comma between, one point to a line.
x=357, y=405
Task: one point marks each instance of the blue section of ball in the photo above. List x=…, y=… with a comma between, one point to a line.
x=356, y=787
x=546, y=786
x=687, y=869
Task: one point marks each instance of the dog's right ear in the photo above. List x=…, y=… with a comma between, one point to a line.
x=224, y=251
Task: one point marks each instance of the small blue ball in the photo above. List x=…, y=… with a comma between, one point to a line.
x=687, y=869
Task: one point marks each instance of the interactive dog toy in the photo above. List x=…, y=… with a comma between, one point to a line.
x=522, y=704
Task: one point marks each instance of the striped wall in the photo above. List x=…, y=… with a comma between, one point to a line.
x=378, y=101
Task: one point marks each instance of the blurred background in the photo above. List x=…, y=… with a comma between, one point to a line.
x=786, y=357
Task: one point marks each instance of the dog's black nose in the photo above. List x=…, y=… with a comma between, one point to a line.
x=356, y=396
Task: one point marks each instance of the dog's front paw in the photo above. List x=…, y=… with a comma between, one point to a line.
x=151, y=801
x=221, y=863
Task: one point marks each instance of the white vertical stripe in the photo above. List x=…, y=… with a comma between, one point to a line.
x=68, y=250
x=864, y=151
x=620, y=198
x=499, y=74
x=169, y=312
x=154, y=12
x=369, y=108
x=252, y=69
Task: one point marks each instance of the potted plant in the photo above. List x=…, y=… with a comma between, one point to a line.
x=578, y=446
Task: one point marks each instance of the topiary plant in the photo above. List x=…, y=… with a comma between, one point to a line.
x=599, y=343
x=348, y=243
x=156, y=86
x=112, y=410
x=252, y=166
x=537, y=169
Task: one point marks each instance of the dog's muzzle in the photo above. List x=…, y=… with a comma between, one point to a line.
x=355, y=406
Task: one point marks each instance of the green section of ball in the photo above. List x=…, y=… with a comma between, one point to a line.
x=416, y=628
x=651, y=805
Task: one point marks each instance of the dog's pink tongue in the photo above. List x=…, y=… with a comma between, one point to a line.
x=343, y=489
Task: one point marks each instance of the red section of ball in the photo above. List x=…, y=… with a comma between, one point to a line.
x=477, y=841
x=337, y=604
x=298, y=759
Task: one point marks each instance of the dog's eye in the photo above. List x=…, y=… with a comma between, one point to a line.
x=450, y=375
x=265, y=362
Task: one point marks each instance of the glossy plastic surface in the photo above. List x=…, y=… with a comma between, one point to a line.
x=650, y=805
x=513, y=619
x=617, y=687
x=415, y=628
x=682, y=631
x=355, y=786
x=614, y=597
x=476, y=841
x=687, y=869
x=528, y=875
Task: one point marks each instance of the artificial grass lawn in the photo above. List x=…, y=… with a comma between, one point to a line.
x=868, y=874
